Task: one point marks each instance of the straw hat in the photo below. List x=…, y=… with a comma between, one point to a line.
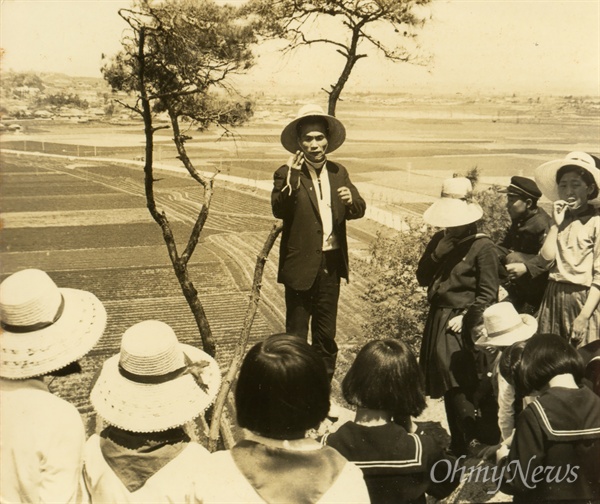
x=155, y=383
x=335, y=138
x=44, y=328
x=453, y=209
x=545, y=174
x=504, y=326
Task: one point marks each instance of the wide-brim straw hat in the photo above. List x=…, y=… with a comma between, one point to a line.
x=335, y=137
x=454, y=208
x=504, y=326
x=545, y=174
x=155, y=383
x=45, y=328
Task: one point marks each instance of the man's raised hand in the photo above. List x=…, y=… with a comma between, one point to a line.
x=295, y=161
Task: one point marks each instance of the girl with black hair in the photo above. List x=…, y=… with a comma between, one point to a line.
x=398, y=461
x=282, y=391
x=555, y=452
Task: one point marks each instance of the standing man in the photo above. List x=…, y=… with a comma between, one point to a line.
x=527, y=271
x=315, y=198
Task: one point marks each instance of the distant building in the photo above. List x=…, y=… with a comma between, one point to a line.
x=43, y=114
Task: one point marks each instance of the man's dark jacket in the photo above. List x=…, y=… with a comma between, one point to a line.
x=302, y=237
x=527, y=236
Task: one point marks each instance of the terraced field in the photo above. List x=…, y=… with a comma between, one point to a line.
x=87, y=226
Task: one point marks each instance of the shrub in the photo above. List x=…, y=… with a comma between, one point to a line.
x=495, y=219
x=398, y=303
x=62, y=100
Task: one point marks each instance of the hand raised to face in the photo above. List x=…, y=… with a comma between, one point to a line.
x=295, y=160
x=445, y=245
x=559, y=209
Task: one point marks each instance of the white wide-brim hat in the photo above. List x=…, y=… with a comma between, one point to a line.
x=504, y=326
x=545, y=174
x=335, y=137
x=165, y=394
x=454, y=208
x=45, y=328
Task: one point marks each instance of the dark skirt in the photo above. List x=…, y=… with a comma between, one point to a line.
x=561, y=305
x=444, y=359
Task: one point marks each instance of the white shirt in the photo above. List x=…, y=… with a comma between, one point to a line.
x=173, y=483
x=41, y=445
x=506, y=408
x=323, y=193
x=226, y=484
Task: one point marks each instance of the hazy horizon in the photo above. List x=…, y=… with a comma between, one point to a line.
x=476, y=47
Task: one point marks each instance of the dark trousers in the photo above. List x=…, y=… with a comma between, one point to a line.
x=472, y=408
x=319, y=305
x=460, y=413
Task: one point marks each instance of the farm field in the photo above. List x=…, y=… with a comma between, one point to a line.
x=397, y=153
x=87, y=226
x=82, y=217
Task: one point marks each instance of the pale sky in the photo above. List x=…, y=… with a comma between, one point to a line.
x=523, y=46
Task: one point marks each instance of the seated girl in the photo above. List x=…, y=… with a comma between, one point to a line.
x=386, y=386
x=555, y=452
x=505, y=332
x=282, y=391
x=146, y=394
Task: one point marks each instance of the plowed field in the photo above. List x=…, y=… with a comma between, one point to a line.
x=88, y=227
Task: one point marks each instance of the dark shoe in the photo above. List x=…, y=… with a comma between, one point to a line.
x=457, y=449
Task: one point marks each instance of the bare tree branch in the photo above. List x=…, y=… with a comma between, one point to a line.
x=240, y=348
x=296, y=21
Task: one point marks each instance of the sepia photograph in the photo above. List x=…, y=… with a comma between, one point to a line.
x=299, y=251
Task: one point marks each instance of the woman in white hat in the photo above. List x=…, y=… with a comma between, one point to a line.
x=570, y=304
x=45, y=330
x=146, y=394
x=460, y=270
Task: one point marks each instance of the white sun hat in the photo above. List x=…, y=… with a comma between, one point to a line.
x=336, y=135
x=504, y=326
x=454, y=208
x=545, y=174
x=45, y=328
x=155, y=383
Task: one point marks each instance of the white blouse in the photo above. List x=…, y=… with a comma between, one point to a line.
x=173, y=483
x=226, y=484
x=41, y=445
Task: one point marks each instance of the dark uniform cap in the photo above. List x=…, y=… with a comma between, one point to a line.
x=523, y=186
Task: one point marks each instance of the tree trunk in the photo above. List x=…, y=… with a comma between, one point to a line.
x=191, y=296
x=351, y=59
x=240, y=349
x=179, y=263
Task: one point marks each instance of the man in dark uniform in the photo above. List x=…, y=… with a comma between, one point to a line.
x=315, y=197
x=527, y=272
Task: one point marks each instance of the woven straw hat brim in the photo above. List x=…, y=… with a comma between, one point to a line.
x=337, y=133
x=139, y=407
x=450, y=212
x=545, y=177
x=525, y=331
x=74, y=334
